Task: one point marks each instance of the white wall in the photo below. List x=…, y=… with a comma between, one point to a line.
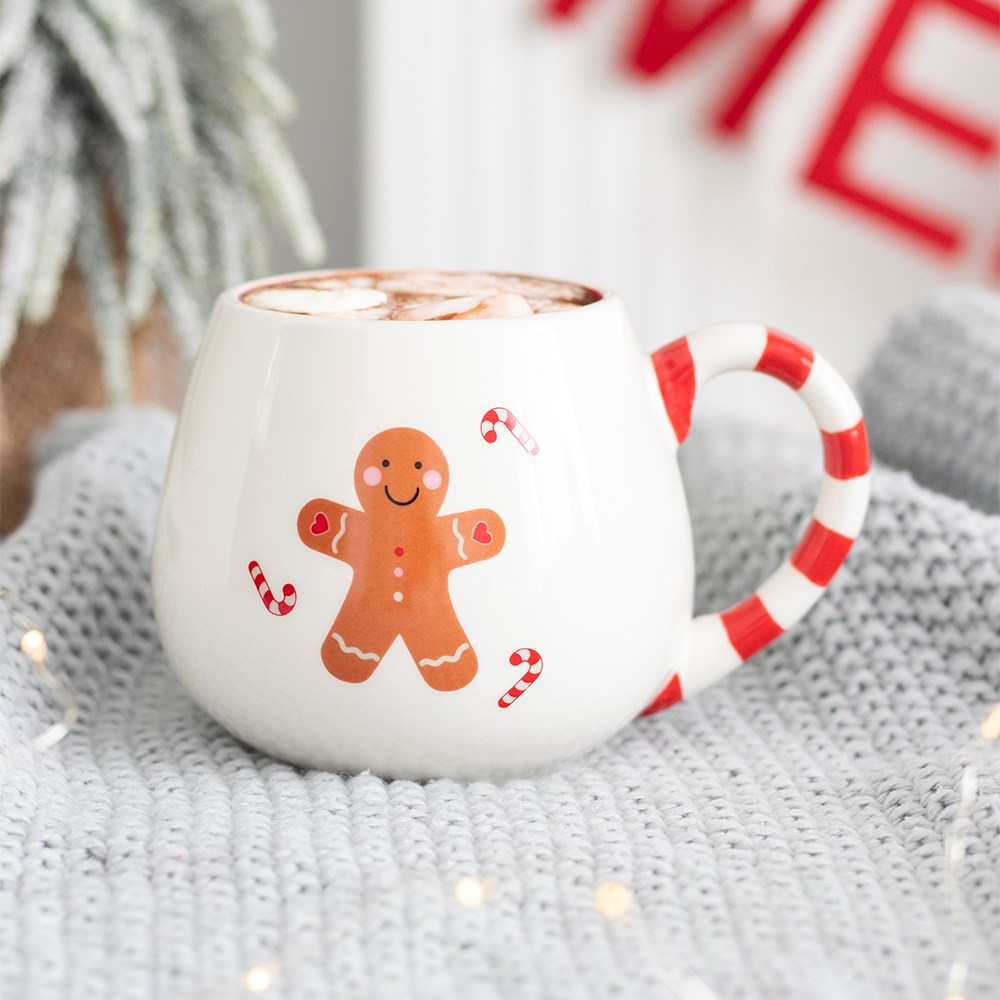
x=491, y=138
x=319, y=57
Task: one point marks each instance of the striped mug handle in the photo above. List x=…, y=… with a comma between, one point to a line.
x=720, y=642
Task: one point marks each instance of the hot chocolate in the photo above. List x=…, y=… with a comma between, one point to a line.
x=419, y=295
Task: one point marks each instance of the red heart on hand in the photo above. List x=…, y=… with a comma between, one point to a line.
x=320, y=525
x=481, y=533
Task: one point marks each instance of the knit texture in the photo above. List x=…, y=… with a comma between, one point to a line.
x=782, y=834
x=932, y=394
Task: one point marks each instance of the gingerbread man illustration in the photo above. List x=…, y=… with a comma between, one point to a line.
x=401, y=552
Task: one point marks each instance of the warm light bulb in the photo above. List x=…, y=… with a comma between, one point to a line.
x=612, y=899
x=258, y=979
x=470, y=892
x=990, y=726
x=33, y=645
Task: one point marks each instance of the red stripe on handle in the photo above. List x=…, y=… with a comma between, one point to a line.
x=749, y=626
x=786, y=358
x=670, y=695
x=674, y=369
x=820, y=553
x=845, y=453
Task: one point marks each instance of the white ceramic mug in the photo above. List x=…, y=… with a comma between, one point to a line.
x=462, y=548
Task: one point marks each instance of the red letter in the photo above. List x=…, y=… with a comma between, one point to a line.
x=733, y=111
x=664, y=36
x=561, y=8
x=872, y=90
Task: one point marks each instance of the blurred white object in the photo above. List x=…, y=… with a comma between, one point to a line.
x=499, y=138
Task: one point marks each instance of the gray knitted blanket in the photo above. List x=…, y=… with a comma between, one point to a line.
x=781, y=835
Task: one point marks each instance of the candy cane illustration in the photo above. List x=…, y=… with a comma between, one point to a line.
x=272, y=604
x=517, y=658
x=498, y=415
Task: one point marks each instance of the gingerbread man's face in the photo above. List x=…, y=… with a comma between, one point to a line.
x=401, y=469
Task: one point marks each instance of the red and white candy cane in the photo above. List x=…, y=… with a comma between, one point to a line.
x=721, y=642
x=498, y=415
x=517, y=658
x=272, y=604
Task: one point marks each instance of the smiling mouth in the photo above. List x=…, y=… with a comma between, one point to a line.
x=402, y=503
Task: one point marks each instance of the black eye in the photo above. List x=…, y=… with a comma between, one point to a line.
x=418, y=465
x=385, y=463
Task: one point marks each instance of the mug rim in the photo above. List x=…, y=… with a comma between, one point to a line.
x=233, y=296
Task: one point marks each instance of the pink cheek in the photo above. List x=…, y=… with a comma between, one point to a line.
x=432, y=479
x=372, y=476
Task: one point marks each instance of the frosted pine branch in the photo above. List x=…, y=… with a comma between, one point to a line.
x=275, y=96
x=88, y=52
x=255, y=17
x=59, y=225
x=277, y=177
x=140, y=138
x=140, y=205
x=182, y=305
x=117, y=15
x=24, y=207
x=15, y=30
x=225, y=224
x=27, y=94
x=180, y=195
x=95, y=259
x=169, y=84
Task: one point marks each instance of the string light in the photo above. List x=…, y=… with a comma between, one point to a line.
x=955, y=846
x=33, y=646
x=259, y=978
x=612, y=899
x=471, y=892
x=990, y=727
x=36, y=649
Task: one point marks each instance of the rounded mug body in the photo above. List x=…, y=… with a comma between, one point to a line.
x=576, y=556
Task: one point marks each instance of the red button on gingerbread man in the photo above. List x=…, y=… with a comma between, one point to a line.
x=401, y=552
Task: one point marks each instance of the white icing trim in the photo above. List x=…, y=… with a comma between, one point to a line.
x=340, y=534
x=461, y=540
x=344, y=648
x=428, y=662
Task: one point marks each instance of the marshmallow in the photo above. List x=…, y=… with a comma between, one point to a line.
x=501, y=306
x=317, y=301
x=438, y=309
x=440, y=284
x=541, y=288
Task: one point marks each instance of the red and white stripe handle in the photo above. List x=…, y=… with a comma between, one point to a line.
x=721, y=642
